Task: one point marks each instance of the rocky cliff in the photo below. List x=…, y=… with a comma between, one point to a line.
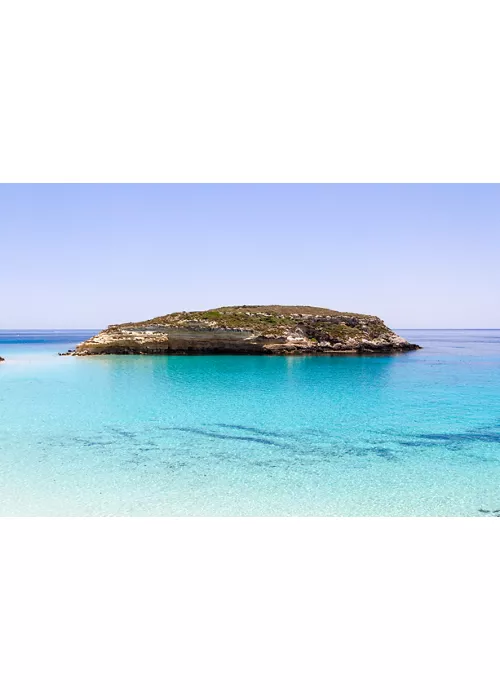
x=249, y=330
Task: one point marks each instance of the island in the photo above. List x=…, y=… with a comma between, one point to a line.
x=249, y=330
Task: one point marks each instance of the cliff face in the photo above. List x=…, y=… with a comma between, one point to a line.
x=249, y=330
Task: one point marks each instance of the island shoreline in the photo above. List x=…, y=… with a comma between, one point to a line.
x=250, y=330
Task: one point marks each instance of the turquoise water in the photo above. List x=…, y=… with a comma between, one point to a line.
x=416, y=434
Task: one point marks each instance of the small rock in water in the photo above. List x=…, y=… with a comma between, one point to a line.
x=482, y=510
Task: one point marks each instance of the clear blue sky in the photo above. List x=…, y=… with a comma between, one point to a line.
x=85, y=256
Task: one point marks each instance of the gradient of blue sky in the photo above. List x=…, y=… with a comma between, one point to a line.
x=85, y=256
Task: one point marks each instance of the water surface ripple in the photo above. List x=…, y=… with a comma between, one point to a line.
x=416, y=434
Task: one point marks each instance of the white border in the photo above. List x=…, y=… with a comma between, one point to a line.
x=248, y=608
x=249, y=91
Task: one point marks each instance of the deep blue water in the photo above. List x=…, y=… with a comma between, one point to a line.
x=414, y=434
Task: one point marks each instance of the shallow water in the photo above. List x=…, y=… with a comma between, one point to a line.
x=415, y=434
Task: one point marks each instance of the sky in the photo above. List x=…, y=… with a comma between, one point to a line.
x=86, y=256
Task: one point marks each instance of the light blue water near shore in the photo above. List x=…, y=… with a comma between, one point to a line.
x=415, y=434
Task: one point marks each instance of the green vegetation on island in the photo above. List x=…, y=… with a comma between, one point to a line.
x=250, y=330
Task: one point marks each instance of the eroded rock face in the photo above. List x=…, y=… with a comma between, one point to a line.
x=249, y=330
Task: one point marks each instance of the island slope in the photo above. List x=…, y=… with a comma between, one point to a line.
x=249, y=330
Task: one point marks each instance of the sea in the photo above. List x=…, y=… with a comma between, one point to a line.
x=416, y=434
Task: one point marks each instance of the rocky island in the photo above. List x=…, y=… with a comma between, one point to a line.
x=249, y=330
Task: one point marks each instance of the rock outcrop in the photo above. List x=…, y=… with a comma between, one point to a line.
x=249, y=330
x=1, y=359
